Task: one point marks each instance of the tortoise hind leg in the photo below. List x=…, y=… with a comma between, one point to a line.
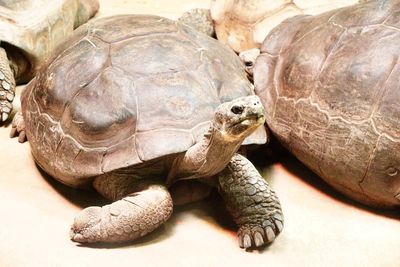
x=126, y=219
x=7, y=86
x=253, y=205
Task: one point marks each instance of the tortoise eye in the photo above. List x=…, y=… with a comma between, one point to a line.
x=237, y=110
x=248, y=63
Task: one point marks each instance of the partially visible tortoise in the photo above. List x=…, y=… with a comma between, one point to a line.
x=29, y=31
x=200, y=20
x=148, y=102
x=330, y=85
x=244, y=24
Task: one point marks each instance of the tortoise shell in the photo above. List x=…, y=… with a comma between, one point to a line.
x=244, y=24
x=124, y=90
x=36, y=27
x=330, y=85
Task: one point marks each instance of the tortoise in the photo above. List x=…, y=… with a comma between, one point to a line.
x=244, y=24
x=135, y=119
x=30, y=29
x=330, y=86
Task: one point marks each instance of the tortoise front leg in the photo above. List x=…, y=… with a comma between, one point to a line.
x=252, y=203
x=127, y=219
x=7, y=86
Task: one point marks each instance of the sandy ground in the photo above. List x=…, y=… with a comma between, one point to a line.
x=321, y=228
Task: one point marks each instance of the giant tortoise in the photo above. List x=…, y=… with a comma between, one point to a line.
x=330, y=86
x=148, y=102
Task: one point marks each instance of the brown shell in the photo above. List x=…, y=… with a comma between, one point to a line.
x=124, y=90
x=38, y=26
x=330, y=85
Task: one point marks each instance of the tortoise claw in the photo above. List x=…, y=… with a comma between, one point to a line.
x=22, y=137
x=4, y=116
x=13, y=132
x=257, y=236
x=5, y=109
x=18, y=128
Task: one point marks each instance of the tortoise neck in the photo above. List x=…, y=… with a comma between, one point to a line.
x=218, y=149
x=206, y=158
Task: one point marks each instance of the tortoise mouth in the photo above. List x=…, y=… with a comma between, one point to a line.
x=254, y=119
x=246, y=125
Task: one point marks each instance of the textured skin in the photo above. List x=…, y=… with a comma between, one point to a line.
x=331, y=91
x=163, y=104
x=30, y=30
x=244, y=24
x=252, y=203
x=127, y=219
x=7, y=86
x=199, y=19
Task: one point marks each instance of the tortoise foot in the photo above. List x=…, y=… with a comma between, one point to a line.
x=261, y=233
x=253, y=204
x=84, y=225
x=18, y=128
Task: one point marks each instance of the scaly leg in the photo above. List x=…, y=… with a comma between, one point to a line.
x=253, y=205
x=7, y=86
x=127, y=219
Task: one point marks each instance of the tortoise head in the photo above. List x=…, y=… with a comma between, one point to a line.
x=248, y=59
x=237, y=119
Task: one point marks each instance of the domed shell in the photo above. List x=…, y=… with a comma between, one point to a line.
x=124, y=90
x=36, y=27
x=330, y=86
x=244, y=24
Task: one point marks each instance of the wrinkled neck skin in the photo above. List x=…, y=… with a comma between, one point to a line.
x=206, y=158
